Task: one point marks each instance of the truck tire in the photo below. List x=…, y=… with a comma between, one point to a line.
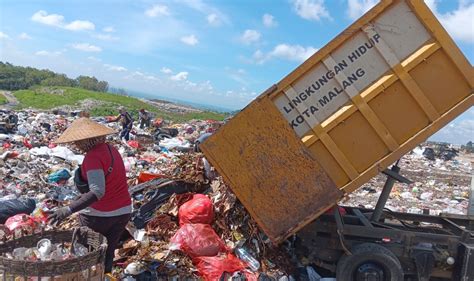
x=369, y=262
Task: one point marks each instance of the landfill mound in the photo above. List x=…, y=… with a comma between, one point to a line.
x=441, y=177
x=164, y=173
x=186, y=224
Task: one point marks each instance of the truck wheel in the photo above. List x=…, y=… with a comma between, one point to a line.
x=369, y=262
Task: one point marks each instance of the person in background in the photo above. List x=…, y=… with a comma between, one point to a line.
x=144, y=118
x=127, y=123
x=105, y=204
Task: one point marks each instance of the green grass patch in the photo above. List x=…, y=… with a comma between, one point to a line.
x=51, y=97
x=3, y=99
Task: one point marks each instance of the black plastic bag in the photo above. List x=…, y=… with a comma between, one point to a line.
x=9, y=208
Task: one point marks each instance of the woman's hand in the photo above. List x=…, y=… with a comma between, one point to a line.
x=59, y=215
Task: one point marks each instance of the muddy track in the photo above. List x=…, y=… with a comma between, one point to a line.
x=12, y=101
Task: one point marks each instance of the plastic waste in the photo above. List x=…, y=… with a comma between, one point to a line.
x=140, y=235
x=4, y=137
x=19, y=253
x=134, y=268
x=212, y=268
x=244, y=255
x=312, y=274
x=80, y=250
x=60, y=175
x=133, y=144
x=44, y=247
x=144, y=177
x=426, y=195
x=197, y=210
x=406, y=195
x=197, y=240
x=20, y=221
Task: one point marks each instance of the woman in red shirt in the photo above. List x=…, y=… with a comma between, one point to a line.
x=105, y=204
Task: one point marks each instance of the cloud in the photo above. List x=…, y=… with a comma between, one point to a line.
x=358, y=7
x=58, y=21
x=250, y=36
x=284, y=51
x=108, y=29
x=269, y=21
x=24, y=36
x=150, y=77
x=181, y=76
x=311, y=9
x=214, y=16
x=92, y=58
x=237, y=75
x=115, y=67
x=139, y=76
x=166, y=70
x=157, y=10
x=459, y=23
x=79, y=25
x=52, y=19
x=214, y=20
x=86, y=47
x=190, y=40
x=48, y=54
x=106, y=37
x=4, y=35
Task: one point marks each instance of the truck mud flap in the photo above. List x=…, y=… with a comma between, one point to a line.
x=464, y=268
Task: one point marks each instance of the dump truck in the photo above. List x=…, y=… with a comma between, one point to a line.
x=372, y=94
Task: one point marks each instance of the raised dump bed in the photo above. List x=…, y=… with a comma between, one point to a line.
x=384, y=85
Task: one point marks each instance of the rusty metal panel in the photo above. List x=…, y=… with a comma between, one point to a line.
x=270, y=170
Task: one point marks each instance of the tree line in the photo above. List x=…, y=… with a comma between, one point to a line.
x=14, y=78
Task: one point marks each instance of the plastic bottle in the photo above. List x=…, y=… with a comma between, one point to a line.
x=248, y=258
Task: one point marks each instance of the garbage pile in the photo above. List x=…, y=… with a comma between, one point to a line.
x=186, y=222
x=441, y=182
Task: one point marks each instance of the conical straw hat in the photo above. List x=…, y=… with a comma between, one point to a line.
x=83, y=128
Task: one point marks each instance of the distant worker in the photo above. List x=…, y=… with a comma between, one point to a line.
x=144, y=118
x=84, y=114
x=127, y=123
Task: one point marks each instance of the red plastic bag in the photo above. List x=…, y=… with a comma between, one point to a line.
x=133, y=144
x=144, y=177
x=197, y=240
x=148, y=158
x=12, y=154
x=27, y=144
x=197, y=210
x=212, y=268
x=20, y=221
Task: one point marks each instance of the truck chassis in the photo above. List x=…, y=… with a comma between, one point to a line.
x=379, y=244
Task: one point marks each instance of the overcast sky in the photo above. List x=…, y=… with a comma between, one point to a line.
x=222, y=53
